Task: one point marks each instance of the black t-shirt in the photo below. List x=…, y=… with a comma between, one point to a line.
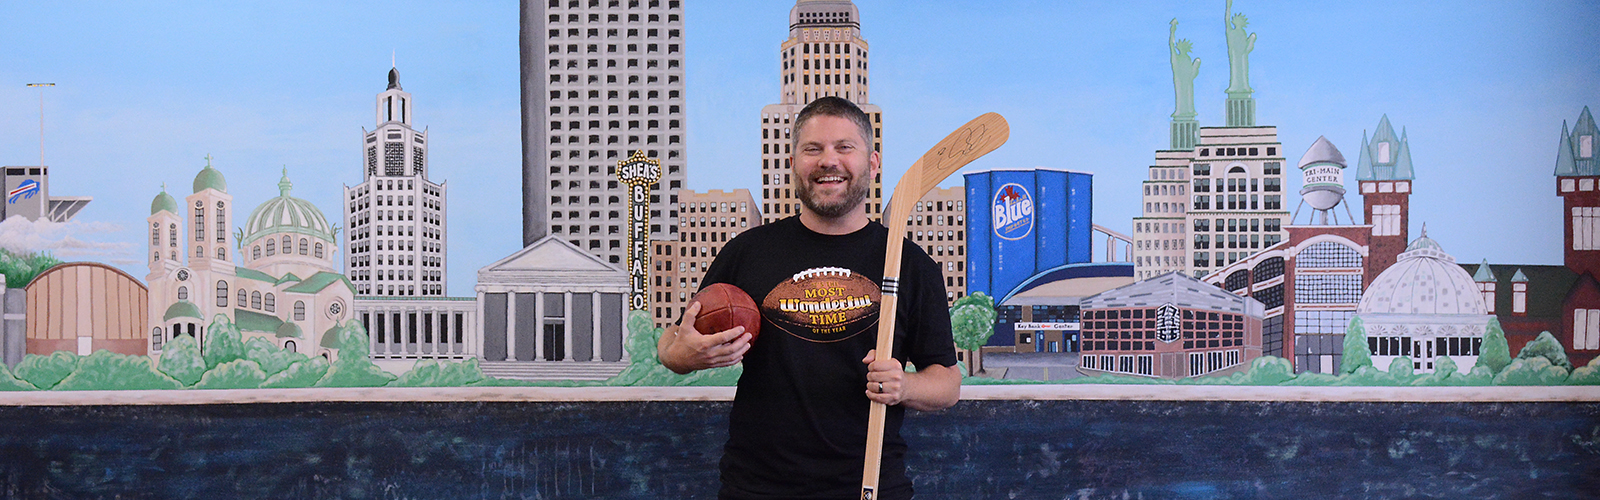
x=798, y=426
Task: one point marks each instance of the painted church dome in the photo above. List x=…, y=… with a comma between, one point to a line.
x=209, y=178
x=1425, y=280
x=286, y=214
x=163, y=201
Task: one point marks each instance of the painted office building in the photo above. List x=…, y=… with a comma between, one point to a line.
x=706, y=221
x=601, y=79
x=823, y=56
x=396, y=216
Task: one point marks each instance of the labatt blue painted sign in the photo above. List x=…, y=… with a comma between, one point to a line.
x=1013, y=212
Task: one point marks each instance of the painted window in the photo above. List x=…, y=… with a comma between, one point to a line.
x=1586, y=329
x=299, y=310
x=222, y=293
x=1321, y=322
x=1585, y=228
x=1328, y=254
x=183, y=293
x=1386, y=220
x=269, y=302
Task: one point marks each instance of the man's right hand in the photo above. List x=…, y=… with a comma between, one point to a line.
x=683, y=350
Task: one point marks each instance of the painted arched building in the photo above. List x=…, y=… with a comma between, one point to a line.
x=1423, y=307
x=84, y=307
x=287, y=289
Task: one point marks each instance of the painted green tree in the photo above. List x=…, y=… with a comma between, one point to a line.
x=271, y=358
x=353, y=366
x=1587, y=374
x=430, y=373
x=972, y=323
x=1356, y=352
x=9, y=382
x=21, y=268
x=181, y=360
x=644, y=369
x=236, y=374
x=1546, y=346
x=108, y=371
x=299, y=374
x=223, y=342
x=1495, y=354
x=45, y=372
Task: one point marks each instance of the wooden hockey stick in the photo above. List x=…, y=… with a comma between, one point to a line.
x=977, y=138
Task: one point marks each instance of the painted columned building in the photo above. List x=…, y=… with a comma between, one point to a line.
x=552, y=310
x=396, y=216
x=823, y=56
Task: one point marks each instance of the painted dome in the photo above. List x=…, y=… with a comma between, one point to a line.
x=209, y=178
x=1425, y=280
x=163, y=201
x=286, y=214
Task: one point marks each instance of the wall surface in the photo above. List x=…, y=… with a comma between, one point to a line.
x=668, y=449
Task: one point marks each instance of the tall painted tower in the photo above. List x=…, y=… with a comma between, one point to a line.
x=600, y=81
x=823, y=56
x=1215, y=197
x=396, y=216
x=1577, y=176
x=1385, y=177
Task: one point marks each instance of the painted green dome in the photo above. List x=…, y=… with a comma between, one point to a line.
x=286, y=214
x=181, y=309
x=163, y=201
x=288, y=329
x=209, y=178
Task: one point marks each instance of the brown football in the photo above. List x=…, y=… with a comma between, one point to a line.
x=724, y=306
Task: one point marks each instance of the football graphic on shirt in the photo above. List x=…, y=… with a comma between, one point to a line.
x=824, y=304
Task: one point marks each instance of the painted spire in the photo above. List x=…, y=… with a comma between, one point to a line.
x=1484, y=274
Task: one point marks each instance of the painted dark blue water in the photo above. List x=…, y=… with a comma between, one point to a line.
x=979, y=449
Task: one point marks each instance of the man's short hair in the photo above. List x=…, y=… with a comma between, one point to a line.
x=836, y=107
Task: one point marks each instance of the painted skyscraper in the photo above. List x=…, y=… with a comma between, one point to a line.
x=396, y=215
x=1214, y=197
x=824, y=56
x=601, y=79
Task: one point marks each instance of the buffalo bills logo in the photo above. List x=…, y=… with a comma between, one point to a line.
x=1013, y=212
x=23, y=191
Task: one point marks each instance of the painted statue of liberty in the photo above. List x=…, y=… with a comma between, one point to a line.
x=1184, y=70
x=1239, y=46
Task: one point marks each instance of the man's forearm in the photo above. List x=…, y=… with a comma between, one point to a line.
x=934, y=387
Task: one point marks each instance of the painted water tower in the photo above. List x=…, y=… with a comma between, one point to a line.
x=1322, y=170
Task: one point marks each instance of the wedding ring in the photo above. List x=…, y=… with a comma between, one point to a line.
x=880, y=387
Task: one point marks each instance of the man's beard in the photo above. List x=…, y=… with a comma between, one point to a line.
x=855, y=194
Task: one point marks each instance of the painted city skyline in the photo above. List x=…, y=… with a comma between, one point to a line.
x=143, y=96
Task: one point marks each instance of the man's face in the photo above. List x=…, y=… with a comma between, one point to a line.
x=833, y=166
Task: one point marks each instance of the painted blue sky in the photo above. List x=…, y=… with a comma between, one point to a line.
x=147, y=89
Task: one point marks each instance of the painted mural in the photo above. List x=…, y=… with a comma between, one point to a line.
x=1296, y=282
x=1361, y=195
